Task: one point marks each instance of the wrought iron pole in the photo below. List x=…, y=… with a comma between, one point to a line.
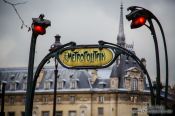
x=137, y=11
x=28, y=110
x=55, y=87
x=166, y=60
x=157, y=62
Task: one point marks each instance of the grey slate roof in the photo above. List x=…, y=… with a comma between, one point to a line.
x=119, y=70
x=19, y=76
x=101, y=83
x=13, y=76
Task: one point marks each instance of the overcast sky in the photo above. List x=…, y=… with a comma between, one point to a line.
x=85, y=22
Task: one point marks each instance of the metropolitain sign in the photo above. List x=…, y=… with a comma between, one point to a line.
x=86, y=57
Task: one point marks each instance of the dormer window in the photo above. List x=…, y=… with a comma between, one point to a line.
x=73, y=84
x=13, y=86
x=60, y=84
x=134, y=86
x=47, y=85
x=102, y=84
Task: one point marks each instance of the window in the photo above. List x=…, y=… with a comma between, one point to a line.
x=11, y=113
x=72, y=99
x=45, y=99
x=134, y=84
x=133, y=99
x=100, y=111
x=100, y=99
x=60, y=85
x=45, y=113
x=134, y=112
x=72, y=113
x=59, y=113
x=101, y=86
x=47, y=85
x=73, y=84
x=11, y=100
x=58, y=99
x=12, y=86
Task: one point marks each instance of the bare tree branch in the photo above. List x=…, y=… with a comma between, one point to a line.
x=16, y=11
x=20, y=3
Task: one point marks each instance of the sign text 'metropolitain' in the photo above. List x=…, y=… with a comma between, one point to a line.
x=82, y=57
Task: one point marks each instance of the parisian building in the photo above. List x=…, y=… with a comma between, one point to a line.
x=120, y=90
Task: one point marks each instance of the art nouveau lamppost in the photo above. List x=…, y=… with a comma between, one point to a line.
x=139, y=16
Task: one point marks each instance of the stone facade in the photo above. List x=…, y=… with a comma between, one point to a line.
x=85, y=103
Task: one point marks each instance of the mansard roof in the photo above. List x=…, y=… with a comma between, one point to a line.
x=101, y=83
x=125, y=63
x=19, y=76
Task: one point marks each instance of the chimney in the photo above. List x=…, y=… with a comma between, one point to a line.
x=94, y=76
x=56, y=44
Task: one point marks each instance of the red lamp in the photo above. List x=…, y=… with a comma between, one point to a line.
x=39, y=29
x=138, y=22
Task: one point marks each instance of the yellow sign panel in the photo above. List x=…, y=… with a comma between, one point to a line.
x=86, y=57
